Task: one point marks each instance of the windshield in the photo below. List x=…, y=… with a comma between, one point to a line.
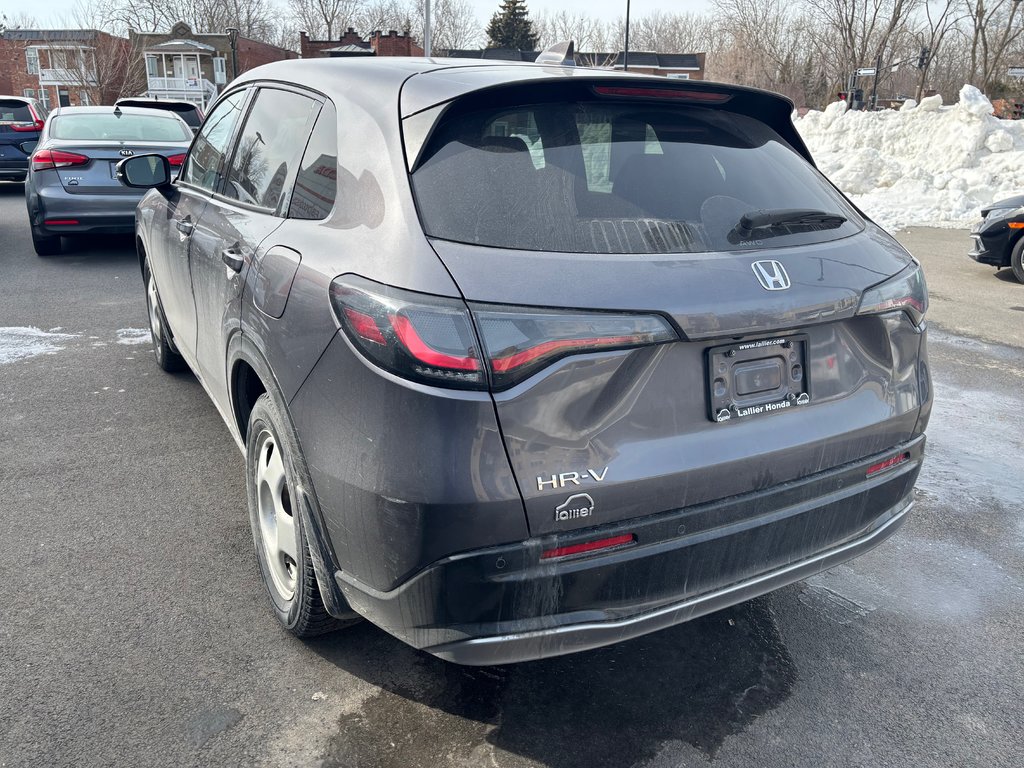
x=107, y=126
x=612, y=177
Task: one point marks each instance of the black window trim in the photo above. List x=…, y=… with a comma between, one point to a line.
x=282, y=204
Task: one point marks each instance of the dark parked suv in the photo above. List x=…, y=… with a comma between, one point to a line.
x=530, y=359
x=21, y=122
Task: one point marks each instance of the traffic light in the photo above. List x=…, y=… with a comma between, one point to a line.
x=923, y=58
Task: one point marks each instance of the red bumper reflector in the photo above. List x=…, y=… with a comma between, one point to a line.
x=59, y=222
x=589, y=546
x=881, y=466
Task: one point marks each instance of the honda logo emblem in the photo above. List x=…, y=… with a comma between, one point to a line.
x=771, y=274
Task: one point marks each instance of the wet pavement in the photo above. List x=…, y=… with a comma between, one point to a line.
x=133, y=630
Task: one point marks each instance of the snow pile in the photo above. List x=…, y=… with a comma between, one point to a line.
x=924, y=165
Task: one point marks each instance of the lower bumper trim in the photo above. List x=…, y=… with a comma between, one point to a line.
x=556, y=641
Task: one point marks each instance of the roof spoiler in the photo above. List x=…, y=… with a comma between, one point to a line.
x=559, y=54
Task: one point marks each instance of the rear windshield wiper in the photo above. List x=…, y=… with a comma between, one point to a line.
x=780, y=221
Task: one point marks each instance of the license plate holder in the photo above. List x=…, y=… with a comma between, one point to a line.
x=754, y=378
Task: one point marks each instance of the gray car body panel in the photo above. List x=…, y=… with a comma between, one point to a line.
x=426, y=495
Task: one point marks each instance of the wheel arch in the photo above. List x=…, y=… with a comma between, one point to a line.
x=249, y=377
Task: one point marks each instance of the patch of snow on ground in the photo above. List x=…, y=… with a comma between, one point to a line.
x=18, y=343
x=924, y=165
x=133, y=336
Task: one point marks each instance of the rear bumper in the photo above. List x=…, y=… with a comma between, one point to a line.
x=991, y=247
x=93, y=213
x=13, y=169
x=507, y=604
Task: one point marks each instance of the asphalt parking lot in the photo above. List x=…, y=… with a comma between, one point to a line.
x=134, y=631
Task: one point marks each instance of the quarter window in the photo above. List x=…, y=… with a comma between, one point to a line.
x=205, y=165
x=316, y=184
x=268, y=148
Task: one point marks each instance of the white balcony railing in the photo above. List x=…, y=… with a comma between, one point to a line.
x=180, y=84
x=66, y=77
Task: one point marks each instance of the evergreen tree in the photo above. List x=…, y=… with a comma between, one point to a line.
x=511, y=28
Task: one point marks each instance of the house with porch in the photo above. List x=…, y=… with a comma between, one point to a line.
x=196, y=66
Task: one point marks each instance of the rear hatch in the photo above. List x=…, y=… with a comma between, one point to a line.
x=675, y=306
x=20, y=125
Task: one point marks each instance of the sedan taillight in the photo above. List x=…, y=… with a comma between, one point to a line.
x=35, y=125
x=434, y=340
x=176, y=160
x=46, y=159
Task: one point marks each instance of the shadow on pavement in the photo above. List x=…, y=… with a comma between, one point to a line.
x=698, y=682
x=1007, y=276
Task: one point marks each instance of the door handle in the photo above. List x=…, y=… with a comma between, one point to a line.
x=185, y=226
x=233, y=258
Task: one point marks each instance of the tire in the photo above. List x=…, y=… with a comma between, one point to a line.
x=167, y=356
x=273, y=462
x=1017, y=260
x=45, y=245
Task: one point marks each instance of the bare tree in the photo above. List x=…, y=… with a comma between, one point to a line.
x=453, y=24
x=325, y=19
x=993, y=30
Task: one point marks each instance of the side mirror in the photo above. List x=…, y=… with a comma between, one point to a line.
x=144, y=171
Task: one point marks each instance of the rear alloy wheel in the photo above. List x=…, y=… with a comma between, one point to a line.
x=45, y=245
x=167, y=356
x=277, y=528
x=1017, y=260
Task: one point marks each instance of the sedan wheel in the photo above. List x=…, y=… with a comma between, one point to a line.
x=1017, y=260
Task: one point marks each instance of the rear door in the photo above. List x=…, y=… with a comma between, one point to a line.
x=247, y=209
x=595, y=212
x=171, y=235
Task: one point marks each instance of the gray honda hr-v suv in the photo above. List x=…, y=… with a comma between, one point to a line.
x=528, y=359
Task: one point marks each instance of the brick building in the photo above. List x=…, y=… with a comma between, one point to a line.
x=351, y=43
x=195, y=66
x=65, y=66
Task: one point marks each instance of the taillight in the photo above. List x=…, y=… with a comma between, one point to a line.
x=906, y=291
x=588, y=546
x=176, y=160
x=36, y=124
x=46, y=159
x=520, y=341
x=432, y=339
x=424, y=338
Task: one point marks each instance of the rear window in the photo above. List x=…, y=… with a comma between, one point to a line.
x=612, y=177
x=12, y=111
x=186, y=112
x=107, y=126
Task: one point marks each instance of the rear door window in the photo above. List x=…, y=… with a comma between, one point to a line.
x=268, y=148
x=316, y=184
x=204, y=166
x=611, y=176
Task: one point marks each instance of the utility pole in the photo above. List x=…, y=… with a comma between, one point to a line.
x=874, y=85
x=625, y=53
x=426, y=29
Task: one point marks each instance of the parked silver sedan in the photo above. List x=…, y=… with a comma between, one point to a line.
x=71, y=187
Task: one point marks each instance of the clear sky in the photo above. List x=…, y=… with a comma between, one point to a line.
x=50, y=12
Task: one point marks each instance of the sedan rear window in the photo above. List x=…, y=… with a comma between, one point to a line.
x=100, y=126
x=616, y=177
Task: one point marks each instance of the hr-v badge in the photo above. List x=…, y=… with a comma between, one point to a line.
x=576, y=506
